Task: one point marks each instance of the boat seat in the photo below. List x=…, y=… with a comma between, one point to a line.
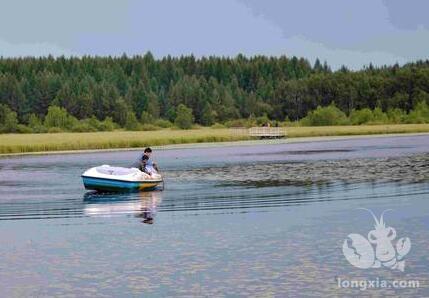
x=116, y=171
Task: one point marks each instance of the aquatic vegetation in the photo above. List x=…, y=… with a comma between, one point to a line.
x=21, y=143
x=60, y=141
x=409, y=169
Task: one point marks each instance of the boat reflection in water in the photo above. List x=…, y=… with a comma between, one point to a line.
x=149, y=202
x=141, y=204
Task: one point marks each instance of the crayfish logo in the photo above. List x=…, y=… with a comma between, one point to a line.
x=378, y=249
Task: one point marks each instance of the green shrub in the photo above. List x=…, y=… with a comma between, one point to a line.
x=131, y=122
x=93, y=122
x=163, y=123
x=241, y=123
x=358, y=117
x=291, y=124
x=55, y=130
x=263, y=120
x=208, y=115
x=107, y=124
x=367, y=116
x=11, y=122
x=184, y=118
x=59, y=117
x=420, y=113
x=379, y=117
x=218, y=126
x=396, y=116
x=322, y=116
x=8, y=119
x=146, y=118
x=21, y=128
x=288, y=122
x=148, y=127
x=83, y=127
x=39, y=129
x=415, y=118
x=34, y=120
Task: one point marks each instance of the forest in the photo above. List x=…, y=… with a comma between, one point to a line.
x=144, y=93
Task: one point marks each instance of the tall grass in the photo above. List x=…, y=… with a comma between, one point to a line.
x=23, y=143
x=316, y=131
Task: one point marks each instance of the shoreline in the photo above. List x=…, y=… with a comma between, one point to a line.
x=304, y=139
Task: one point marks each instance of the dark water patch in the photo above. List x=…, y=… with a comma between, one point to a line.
x=303, y=152
x=270, y=183
x=414, y=168
x=13, y=183
x=315, y=151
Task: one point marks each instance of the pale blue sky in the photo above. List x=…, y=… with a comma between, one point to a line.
x=349, y=32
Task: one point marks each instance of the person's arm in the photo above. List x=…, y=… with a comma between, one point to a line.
x=143, y=163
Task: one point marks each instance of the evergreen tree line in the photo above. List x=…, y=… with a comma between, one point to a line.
x=140, y=92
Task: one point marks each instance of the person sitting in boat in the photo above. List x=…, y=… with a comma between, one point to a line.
x=146, y=164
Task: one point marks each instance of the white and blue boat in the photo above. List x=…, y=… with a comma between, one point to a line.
x=108, y=178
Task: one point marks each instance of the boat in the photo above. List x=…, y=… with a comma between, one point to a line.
x=108, y=178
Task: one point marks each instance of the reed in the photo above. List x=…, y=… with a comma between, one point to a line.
x=316, y=131
x=23, y=143
x=26, y=143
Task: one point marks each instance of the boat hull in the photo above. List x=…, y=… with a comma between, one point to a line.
x=104, y=184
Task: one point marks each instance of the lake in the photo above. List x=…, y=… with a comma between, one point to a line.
x=267, y=219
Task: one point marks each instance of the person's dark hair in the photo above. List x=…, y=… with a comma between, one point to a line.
x=147, y=150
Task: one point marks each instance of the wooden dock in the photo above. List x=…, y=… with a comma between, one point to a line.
x=267, y=132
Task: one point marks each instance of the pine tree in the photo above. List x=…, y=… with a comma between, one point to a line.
x=153, y=107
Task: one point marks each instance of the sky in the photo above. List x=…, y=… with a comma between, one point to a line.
x=353, y=33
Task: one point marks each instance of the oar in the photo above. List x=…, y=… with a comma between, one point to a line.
x=159, y=172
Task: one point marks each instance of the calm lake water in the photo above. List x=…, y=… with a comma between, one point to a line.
x=246, y=220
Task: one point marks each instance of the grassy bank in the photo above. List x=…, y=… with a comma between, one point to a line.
x=23, y=143
x=350, y=130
